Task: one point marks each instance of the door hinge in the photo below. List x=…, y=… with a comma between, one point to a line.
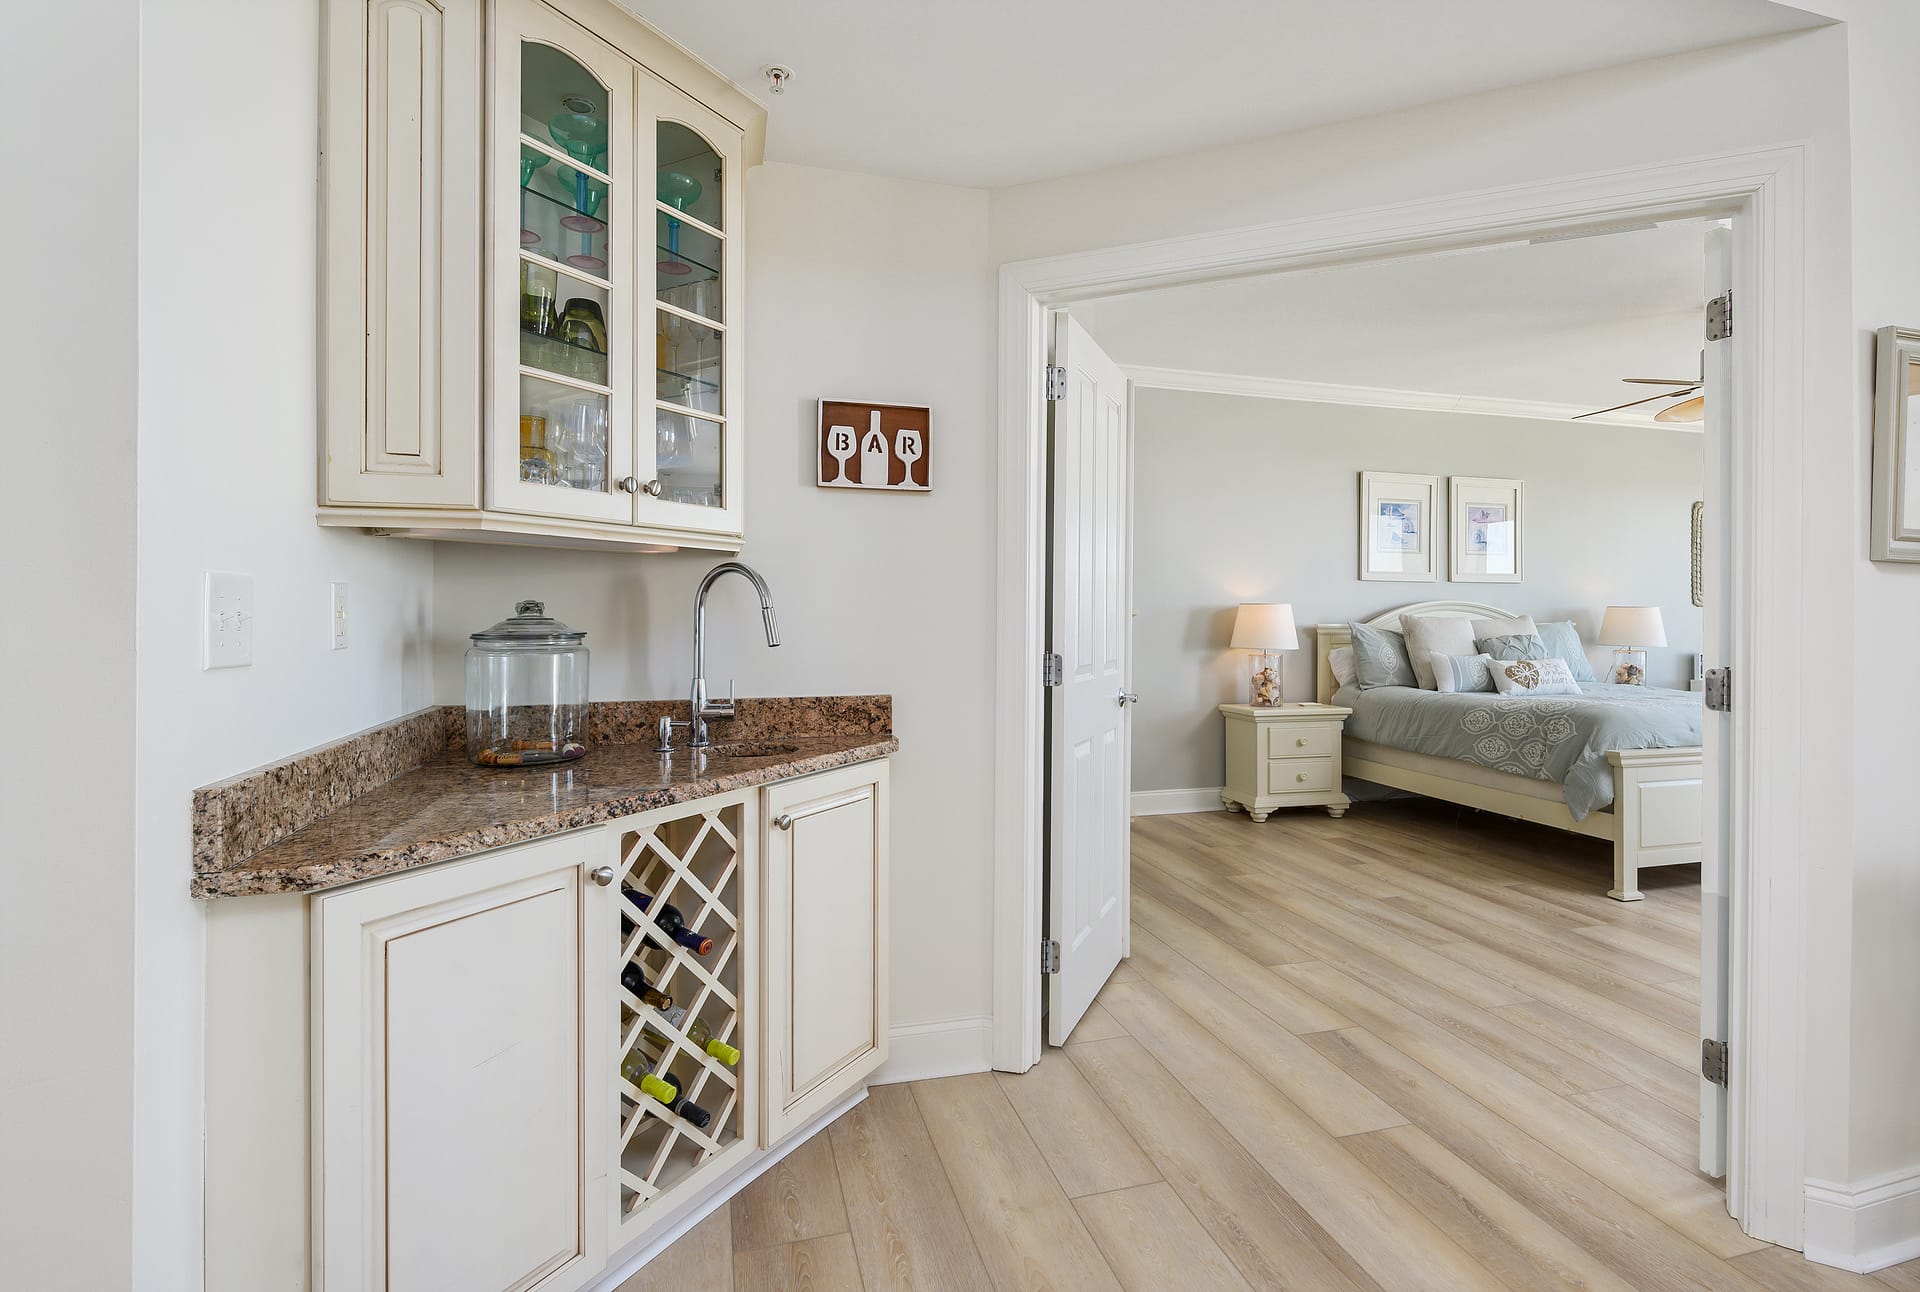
x=1713, y=1061
x=1719, y=690
x=1056, y=383
x=1720, y=316
x=1053, y=670
x=1049, y=956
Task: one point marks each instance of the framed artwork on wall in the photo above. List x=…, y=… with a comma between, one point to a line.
x=1397, y=515
x=1485, y=521
x=1896, y=447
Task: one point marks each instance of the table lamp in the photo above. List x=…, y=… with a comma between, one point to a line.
x=1632, y=629
x=1265, y=631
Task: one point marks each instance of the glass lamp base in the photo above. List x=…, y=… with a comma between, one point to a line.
x=1629, y=667
x=1263, y=681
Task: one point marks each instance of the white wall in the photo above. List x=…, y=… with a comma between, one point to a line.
x=1257, y=500
x=227, y=433
x=858, y=288
x=67, y=530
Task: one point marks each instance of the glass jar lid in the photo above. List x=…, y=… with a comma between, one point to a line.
x=530, y=625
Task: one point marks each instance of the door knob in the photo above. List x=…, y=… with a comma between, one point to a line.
x=1129, y=697
x=601, y=875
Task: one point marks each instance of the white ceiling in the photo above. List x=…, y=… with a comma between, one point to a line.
x=1555, y=323
x=988, y=93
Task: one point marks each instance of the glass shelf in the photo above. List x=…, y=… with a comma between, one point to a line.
x=686, y=264
x=550, y=354
x=556, y=227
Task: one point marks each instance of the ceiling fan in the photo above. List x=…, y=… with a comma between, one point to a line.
x=1691, y=408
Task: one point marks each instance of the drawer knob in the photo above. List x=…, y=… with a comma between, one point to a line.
x=1300, y=776
x=1302, y=742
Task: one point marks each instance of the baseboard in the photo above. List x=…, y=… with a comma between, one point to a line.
x=1168, y=802
x=1864, y=1227
x=946, y=1047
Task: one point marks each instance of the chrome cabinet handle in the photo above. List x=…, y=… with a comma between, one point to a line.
x=601, y=875
x=651, y=488
x=783, y=822
x=629, y=484
x=1129, y=697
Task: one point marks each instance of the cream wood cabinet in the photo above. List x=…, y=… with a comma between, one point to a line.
x=1285, y=755
x=533, y=279
x=456, y=1082
x=825, y=1009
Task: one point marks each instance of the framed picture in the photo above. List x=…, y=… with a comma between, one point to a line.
x=875, y=446
x=1397, y=514
x=1896, y=447
x=1485, y=520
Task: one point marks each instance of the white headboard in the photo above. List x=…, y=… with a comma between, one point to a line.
x=1328, y=638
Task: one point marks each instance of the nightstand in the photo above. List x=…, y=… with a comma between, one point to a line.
x=1284, y=756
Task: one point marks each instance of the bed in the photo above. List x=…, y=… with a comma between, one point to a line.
x=1607, y=769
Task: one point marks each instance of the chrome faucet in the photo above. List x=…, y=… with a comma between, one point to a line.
x=702, y=707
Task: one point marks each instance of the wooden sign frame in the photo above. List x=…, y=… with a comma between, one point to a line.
x=856, y=437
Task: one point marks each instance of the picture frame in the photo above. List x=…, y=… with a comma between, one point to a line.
x=1896, y=447
x=1398, y=513
x=1486, y=520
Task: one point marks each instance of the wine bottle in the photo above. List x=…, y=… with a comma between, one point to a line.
x=666, y=1088
x=698, y=1032
x=669, y=921
x=634, y=979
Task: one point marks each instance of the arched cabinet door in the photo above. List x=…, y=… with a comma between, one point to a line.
x=695, y=440
x=568, y=160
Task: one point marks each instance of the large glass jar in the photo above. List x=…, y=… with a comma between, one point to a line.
x=526, y=691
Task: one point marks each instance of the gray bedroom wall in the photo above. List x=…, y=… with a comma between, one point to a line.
x=1243, y=499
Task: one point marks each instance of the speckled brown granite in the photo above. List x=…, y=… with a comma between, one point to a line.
x=404, y=794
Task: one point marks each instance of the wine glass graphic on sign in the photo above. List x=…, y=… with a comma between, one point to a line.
x=907, y=446
x=840, y=448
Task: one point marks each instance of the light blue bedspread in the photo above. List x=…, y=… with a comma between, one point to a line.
x=1546, y=738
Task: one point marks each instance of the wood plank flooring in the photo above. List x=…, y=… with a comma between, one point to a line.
x=1416, y=1048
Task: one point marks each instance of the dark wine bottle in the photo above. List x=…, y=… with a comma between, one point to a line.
x=666, y=1089
x=634, y=979
x=669, y=921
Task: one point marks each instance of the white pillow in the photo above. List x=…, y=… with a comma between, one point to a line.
x=1531, y=677
x=1340, y=661
x=1461, y=672
x=1429, y=635
x=1517, y=626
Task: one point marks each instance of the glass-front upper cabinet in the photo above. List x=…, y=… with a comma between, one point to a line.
x=564, y=307
x=695, y=445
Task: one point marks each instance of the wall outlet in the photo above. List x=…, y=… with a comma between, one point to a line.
x=337, y=615
x=227, y=639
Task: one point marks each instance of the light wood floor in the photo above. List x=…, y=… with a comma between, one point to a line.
x=1417, y=1048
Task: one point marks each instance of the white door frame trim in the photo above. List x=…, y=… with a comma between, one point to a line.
x=1765, y=191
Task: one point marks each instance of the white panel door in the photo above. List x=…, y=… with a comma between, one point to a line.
x=1089, y=751
x=454, y=1091
x=1715, y=879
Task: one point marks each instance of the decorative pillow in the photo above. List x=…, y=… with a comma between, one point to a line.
x=1380, y=658
x=1433, y=635
x=1514, y=646
x=1340, y=662
x=1563, y=640
x=1530, y=677
x=1504, y=627
x=1461, y=672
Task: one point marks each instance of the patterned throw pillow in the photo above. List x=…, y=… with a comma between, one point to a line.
x=1380, y=658
x=1563, y=640
x=1530, y=677
x=1429, y=635
x=1513, y=646
x=1461, y=672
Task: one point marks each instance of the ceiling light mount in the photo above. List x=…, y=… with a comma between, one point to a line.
x=777, y=74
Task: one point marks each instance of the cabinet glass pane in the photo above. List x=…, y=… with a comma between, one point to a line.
x=687, y=457
x=686, y=267
x=563, y=436
x=686, y=363
x=690, y=175
x=563, y=324
x=564, y=212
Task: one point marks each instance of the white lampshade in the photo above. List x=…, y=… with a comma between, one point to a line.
x=1265, y=627
x=1633, y=626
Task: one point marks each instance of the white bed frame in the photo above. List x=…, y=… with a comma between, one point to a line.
x=1656, y=818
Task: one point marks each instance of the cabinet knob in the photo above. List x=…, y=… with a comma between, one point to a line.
x=1300, y=776
x=783, y=822
x=631, y=484
x=651, y=488
x=601, y=875
x=1302, y=742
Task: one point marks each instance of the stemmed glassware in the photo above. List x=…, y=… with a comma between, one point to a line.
x=676, y=190
x=582, y=131
x=530, y=162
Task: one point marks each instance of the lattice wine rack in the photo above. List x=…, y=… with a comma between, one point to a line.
x=693, y=863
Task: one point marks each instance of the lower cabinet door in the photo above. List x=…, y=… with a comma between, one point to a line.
x=826, y=942
x=451, y=1085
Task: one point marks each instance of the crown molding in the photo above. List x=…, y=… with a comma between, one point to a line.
x=1320, y=392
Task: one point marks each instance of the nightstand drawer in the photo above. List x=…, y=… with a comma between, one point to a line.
x=1295, y=740
x=1300, y=775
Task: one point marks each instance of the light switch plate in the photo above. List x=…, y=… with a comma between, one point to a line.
x=337, y=615
x=227, y=636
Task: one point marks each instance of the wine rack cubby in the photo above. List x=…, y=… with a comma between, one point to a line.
x=696, y=863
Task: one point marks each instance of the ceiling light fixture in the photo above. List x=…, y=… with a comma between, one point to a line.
x=1687, y=410
x=777, y=74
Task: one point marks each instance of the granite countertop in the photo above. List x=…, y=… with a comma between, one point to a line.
x=446, y=807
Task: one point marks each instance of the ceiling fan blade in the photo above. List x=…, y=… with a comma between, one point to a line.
x=1659, y=381
x=1665, y=394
